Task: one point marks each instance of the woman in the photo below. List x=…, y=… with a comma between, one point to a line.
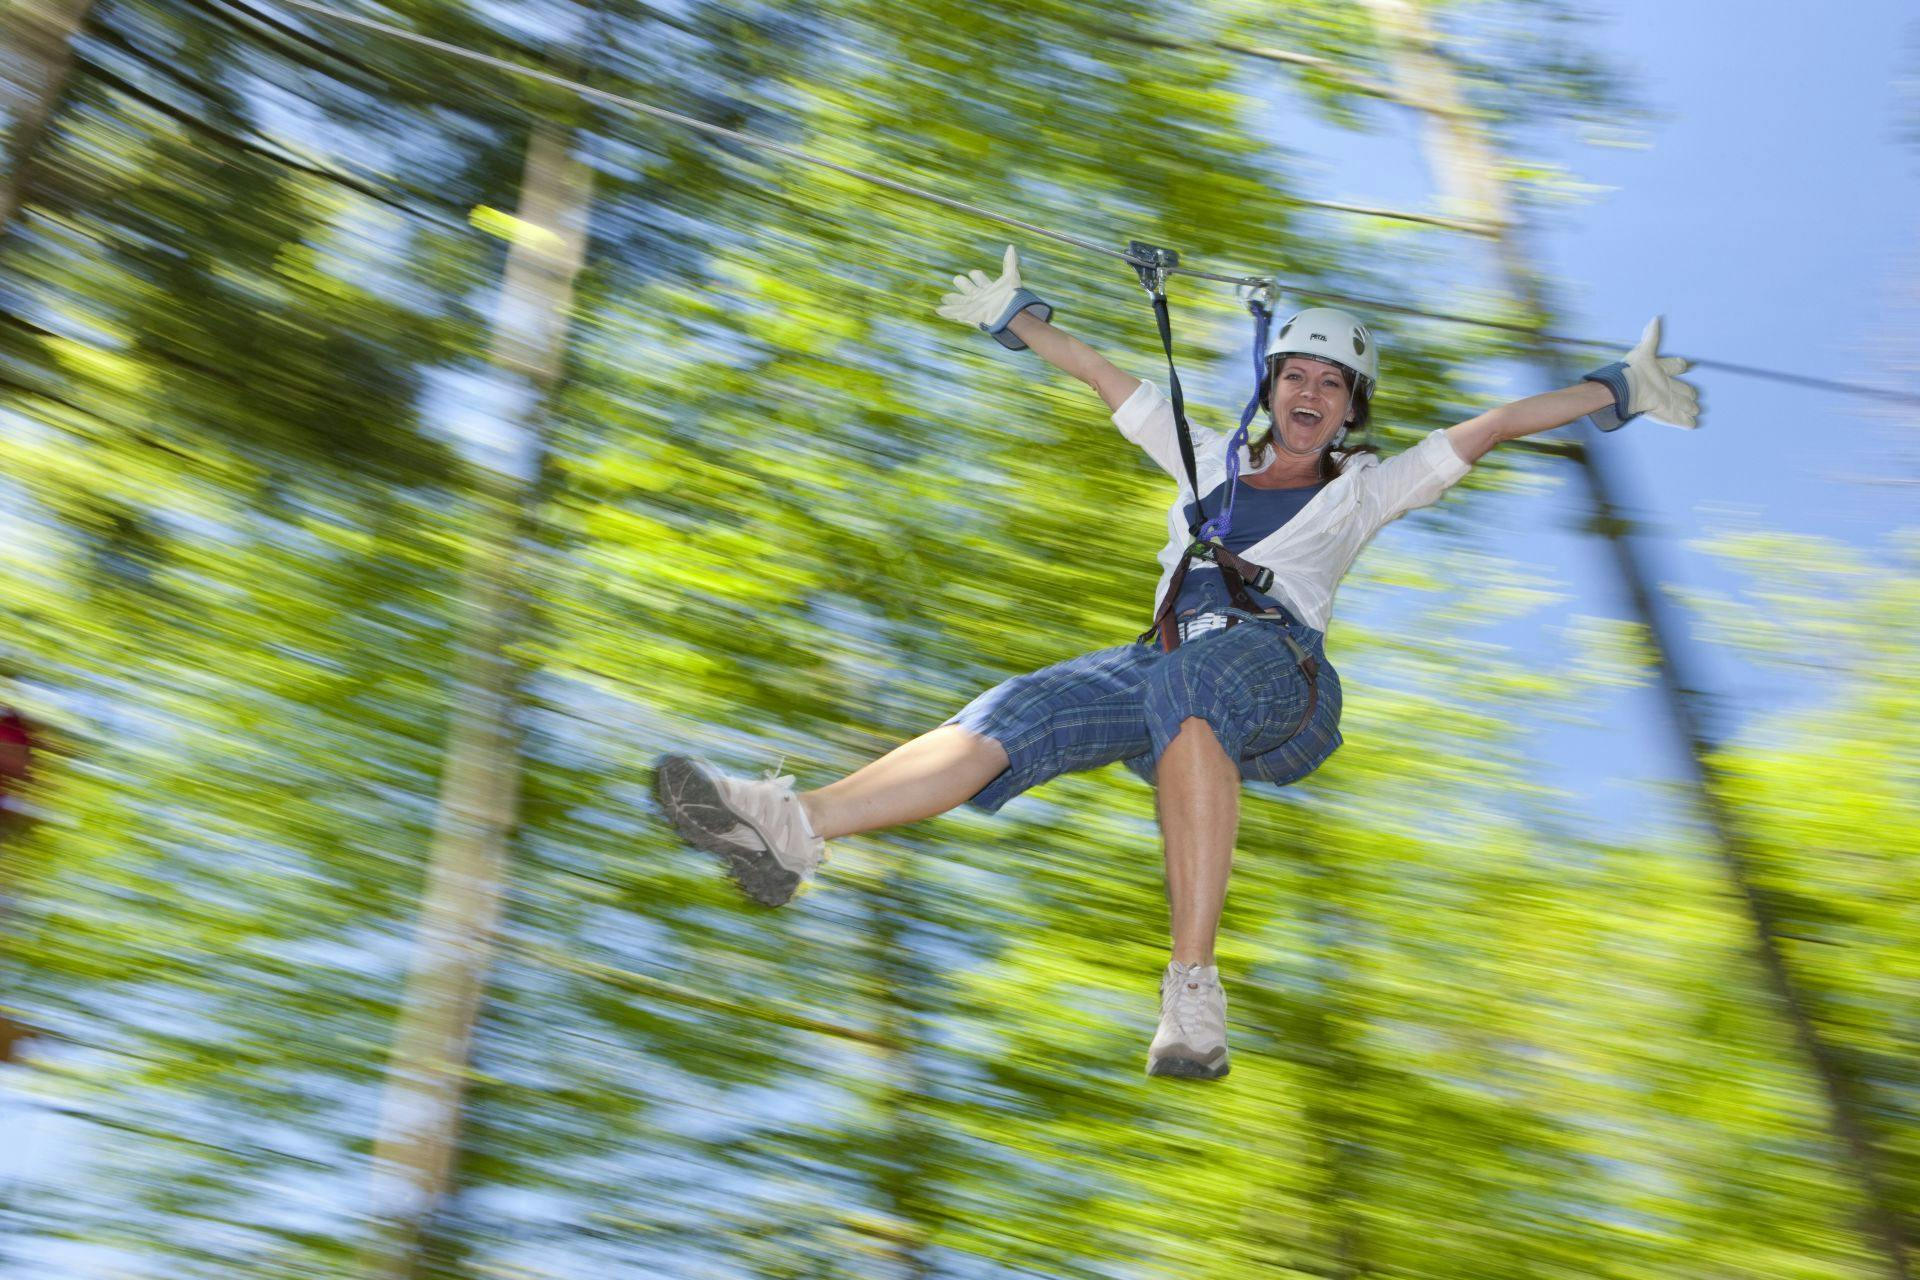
x=1235, y=686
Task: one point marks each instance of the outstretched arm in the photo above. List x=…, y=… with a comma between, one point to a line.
x=1642, y=381
x=1070, y=355
x=1017, y=320
x=1472, y=438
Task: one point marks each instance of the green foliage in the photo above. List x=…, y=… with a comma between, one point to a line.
x=786, y=512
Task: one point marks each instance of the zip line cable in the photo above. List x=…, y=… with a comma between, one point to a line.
x=732, y=135
x=992, y=215
x=1888, y=394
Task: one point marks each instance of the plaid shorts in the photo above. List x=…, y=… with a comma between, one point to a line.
x=1128, y=702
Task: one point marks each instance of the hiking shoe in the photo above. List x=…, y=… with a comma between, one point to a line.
x=1192, y=1040
x=756, y=825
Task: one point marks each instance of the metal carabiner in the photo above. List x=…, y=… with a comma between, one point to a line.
x=1257, y=295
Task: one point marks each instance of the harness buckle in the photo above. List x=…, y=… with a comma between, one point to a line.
x=1208, y=549
x=1204, y=623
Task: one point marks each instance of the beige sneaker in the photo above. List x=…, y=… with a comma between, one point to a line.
x=755, y=824
x=1192, y=1040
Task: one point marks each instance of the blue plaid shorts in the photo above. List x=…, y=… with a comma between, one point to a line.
x=1128, y=702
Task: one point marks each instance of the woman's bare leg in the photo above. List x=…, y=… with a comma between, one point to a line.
x=1198, y=789
x=935, y=772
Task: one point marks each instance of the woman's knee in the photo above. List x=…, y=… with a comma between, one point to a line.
x=979, y=747
x=1195, y=733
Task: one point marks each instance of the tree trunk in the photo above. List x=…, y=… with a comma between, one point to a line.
x=905, y=1139
x=37, y=39
x=1333, y=1117
x=420, y=1118
x=1467, y=166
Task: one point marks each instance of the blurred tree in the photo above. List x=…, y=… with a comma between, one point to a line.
x=783, y=511
x=36, y=37
x=480, y=780
x=1475, y=177
x=1823, y=782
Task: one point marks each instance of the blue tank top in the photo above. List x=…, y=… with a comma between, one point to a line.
x=1256, y=514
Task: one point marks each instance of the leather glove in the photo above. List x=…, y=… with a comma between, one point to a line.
x=1642, y=381
x=992, y=304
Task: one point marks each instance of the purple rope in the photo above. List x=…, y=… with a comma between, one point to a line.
x=1218, y=527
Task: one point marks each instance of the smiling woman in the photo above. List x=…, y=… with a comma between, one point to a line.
x=1318, y=376
x=1231, y=683
x=1313, y=404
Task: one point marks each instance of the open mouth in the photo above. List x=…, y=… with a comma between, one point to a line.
x=1306, y=417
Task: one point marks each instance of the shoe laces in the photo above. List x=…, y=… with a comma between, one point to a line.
x=792, y=816
x=1185, y=1000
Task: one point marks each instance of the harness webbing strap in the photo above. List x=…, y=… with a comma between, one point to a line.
x=1232, y=568
x=1165, y=322
x=1235, y=571
x=1167, y=628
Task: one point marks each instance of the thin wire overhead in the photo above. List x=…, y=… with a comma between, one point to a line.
x=993, y=215
x=732, y=135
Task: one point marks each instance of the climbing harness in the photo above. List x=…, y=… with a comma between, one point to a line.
x=1152, y=264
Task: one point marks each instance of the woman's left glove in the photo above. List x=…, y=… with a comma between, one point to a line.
x=1644, y=382
x=992, y=304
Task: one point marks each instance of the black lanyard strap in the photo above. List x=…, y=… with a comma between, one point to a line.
x=1152, y=264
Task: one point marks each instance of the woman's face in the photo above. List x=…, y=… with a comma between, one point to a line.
x=1310, y=403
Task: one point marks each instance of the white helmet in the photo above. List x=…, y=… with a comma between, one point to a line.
x=1324, y=333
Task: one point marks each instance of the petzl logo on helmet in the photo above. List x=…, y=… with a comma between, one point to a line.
x=1316, y=337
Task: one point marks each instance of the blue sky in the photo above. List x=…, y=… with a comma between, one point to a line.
x=1766, y=209
x=1773, y=220
x=1769, y=214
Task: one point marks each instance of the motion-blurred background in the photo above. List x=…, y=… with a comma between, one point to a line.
x=401, y=451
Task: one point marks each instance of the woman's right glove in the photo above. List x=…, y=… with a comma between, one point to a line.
x=992, y=304
x=1644, y=382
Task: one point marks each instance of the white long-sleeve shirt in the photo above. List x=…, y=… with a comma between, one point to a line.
x=1312, y=552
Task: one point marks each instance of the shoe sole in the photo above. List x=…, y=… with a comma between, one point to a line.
x=693, y=806
x=1181, y=1068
